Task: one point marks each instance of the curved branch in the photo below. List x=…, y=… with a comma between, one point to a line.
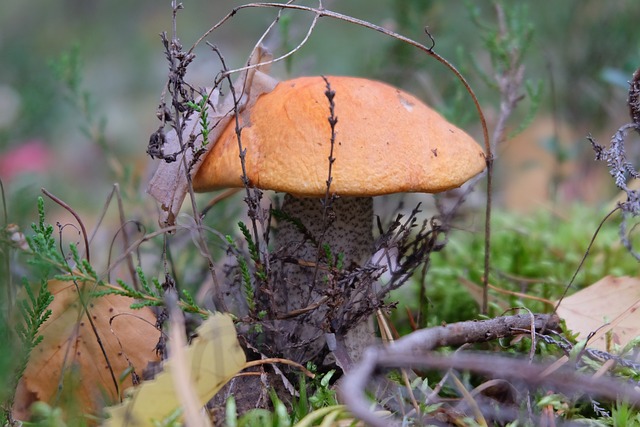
x=322, y=12
x=75, y=215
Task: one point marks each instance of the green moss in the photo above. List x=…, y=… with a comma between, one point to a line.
x=536, y=255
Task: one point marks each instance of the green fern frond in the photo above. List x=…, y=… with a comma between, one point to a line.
x=129, y=289
x=205, y=125
x=327, y=253
x=35, y=312
x=247, y=287
x=144, y=282
x=253, y=249
x=146, y=303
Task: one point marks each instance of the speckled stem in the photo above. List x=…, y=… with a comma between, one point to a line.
x=347, y=229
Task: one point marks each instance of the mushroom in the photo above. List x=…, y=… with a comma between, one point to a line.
x=387, y=141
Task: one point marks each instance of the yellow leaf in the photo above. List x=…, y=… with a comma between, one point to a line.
x=213, y=357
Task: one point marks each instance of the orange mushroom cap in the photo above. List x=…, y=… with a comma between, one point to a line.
x=387, y=141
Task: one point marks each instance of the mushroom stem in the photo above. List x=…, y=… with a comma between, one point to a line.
x=346, y=227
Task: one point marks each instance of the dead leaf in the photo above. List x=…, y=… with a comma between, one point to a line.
x=70, y=354
x=611, y=299
x=169, y=184
x=213, y=358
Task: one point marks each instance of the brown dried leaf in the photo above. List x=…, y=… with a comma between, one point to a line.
x=70, y=354
x=611, y=299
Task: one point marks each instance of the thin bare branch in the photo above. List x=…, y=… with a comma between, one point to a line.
x=322, y=12
x=413, y=350
x=135, y=245
x=75, y=215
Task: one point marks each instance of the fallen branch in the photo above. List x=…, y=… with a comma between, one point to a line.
x=414, y=350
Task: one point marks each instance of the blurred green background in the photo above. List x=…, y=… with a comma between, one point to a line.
x=583, y=51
